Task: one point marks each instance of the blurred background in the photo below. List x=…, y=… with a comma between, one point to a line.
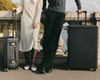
x=89, y=5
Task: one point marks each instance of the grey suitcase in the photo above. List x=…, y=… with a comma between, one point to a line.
x=9, y=51
x=82, y=46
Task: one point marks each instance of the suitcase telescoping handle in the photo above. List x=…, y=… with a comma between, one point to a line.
x=85, y=17
x=14, y=23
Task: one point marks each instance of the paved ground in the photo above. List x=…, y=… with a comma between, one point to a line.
x=57, y=74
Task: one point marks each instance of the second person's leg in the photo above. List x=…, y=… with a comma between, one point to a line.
x=33, y=56
x=54, y=38
x=27, y=64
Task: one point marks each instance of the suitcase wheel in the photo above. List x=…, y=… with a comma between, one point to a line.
x=92, y=69
x=67, y=68
x=6, y=69
x=16, y=68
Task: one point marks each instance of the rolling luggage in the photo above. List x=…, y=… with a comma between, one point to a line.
x=9, y=50
x=82, y=46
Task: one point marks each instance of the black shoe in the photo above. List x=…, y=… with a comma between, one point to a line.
x=49, y=70
x=41, y=70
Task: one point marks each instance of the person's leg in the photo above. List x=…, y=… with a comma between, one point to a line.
x=33, y=56
x=51, y=37
x=26, y=54
x=50, y=18
x=54, y=38
x=27, y=64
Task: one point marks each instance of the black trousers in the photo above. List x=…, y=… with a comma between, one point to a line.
x=52, y=30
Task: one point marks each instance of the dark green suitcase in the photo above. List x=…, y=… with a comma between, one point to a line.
x=82, y=46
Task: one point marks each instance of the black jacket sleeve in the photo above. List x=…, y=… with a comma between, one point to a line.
x=78, y=3
x=44, y=5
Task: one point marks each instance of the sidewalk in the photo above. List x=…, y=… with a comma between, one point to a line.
x=57, y=74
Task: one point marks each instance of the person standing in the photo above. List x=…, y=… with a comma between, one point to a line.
x=30, y=25
x=55, y=16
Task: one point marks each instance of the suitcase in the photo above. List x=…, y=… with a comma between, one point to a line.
x=82, y=46
x=9, y=50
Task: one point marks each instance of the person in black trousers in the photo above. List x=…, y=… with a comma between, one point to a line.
x=55, y=16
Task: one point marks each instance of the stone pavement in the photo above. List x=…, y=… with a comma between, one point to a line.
x=57, y=74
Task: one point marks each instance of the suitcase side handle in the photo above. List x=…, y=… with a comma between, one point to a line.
x=85, y=17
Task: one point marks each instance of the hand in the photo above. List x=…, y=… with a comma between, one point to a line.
x=80, y=11
x=35, y=25
x=14, y=9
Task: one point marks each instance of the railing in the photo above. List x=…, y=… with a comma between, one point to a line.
x=71, y=17
x=93, y=18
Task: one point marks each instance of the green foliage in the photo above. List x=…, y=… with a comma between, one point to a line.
x=41, y=26
x=7, y=5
